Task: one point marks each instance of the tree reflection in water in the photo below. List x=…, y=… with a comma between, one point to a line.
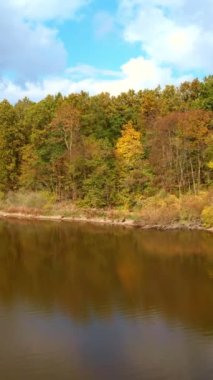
x=89, y=271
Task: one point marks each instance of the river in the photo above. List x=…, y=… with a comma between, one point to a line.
x=89, y=302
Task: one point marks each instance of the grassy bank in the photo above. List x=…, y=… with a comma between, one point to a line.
x=160, y=211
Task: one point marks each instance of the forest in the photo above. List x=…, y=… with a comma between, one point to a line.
x=108, y=152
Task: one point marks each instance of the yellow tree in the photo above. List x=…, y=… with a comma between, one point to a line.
x=129, y=156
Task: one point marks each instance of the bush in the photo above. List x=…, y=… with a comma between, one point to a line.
x=193, y=205
x=207, y=216
x=33, y=200
x=161, y=209
x=2, y=199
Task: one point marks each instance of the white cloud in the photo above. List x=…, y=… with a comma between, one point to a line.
x=29, y=52
x=47, y=9
x=29, y=49
x=137, y=73
x=177, y=33
x=175, y=36
x=82, y=71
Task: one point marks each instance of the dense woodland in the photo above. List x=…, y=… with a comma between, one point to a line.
x=106, y=151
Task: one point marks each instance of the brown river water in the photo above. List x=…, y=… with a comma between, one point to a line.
x=89, y=302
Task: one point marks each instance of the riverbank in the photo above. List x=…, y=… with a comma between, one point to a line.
x=161, y=211
x=104, y=221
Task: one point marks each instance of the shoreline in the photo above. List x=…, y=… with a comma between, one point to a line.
x=103, y=221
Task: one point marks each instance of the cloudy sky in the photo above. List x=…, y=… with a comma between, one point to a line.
x=67, y=46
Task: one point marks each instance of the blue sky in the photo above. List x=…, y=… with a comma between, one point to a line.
x=67, y=46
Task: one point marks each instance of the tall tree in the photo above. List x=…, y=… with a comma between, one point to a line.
x=11, y=140
x=177, y=149
x=129, y=153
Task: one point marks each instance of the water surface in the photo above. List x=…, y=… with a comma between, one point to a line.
x=82, y=302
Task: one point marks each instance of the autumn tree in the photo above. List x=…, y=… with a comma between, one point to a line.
x=65, y=140
x=36, y=166
x=104, y=150
x=99, y=173
x=129, y=154
x=177, y=150
x=11, y=141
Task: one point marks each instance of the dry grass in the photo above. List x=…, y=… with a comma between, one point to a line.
x=168, y=209
x=28, y=203
x=161, y=210
x=22, y=210
x=193, y=205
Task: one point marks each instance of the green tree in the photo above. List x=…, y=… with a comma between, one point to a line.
x=11, y=140
x=99, y=173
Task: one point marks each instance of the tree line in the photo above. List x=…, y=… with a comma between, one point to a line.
x=107, y=151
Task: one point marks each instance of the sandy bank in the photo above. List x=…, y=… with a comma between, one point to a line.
x=105, y=221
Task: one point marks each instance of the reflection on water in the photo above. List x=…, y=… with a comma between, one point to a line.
x=89, y=302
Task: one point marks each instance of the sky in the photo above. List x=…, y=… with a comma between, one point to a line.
x=51, y=46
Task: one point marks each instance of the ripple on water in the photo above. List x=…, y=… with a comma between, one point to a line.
x=117, y=304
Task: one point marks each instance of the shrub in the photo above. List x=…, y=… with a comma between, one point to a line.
x=33, y=200
x=207, y=216
x=2, y=199
x=192, y=206
x=161, y=209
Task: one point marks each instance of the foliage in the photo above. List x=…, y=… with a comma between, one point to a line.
x=179, y=142
x=98, y=184
x=41, y=200
x=161, y=209
x=129, y=154
x=191, y=206
x=104, y=151
x=207, y=216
